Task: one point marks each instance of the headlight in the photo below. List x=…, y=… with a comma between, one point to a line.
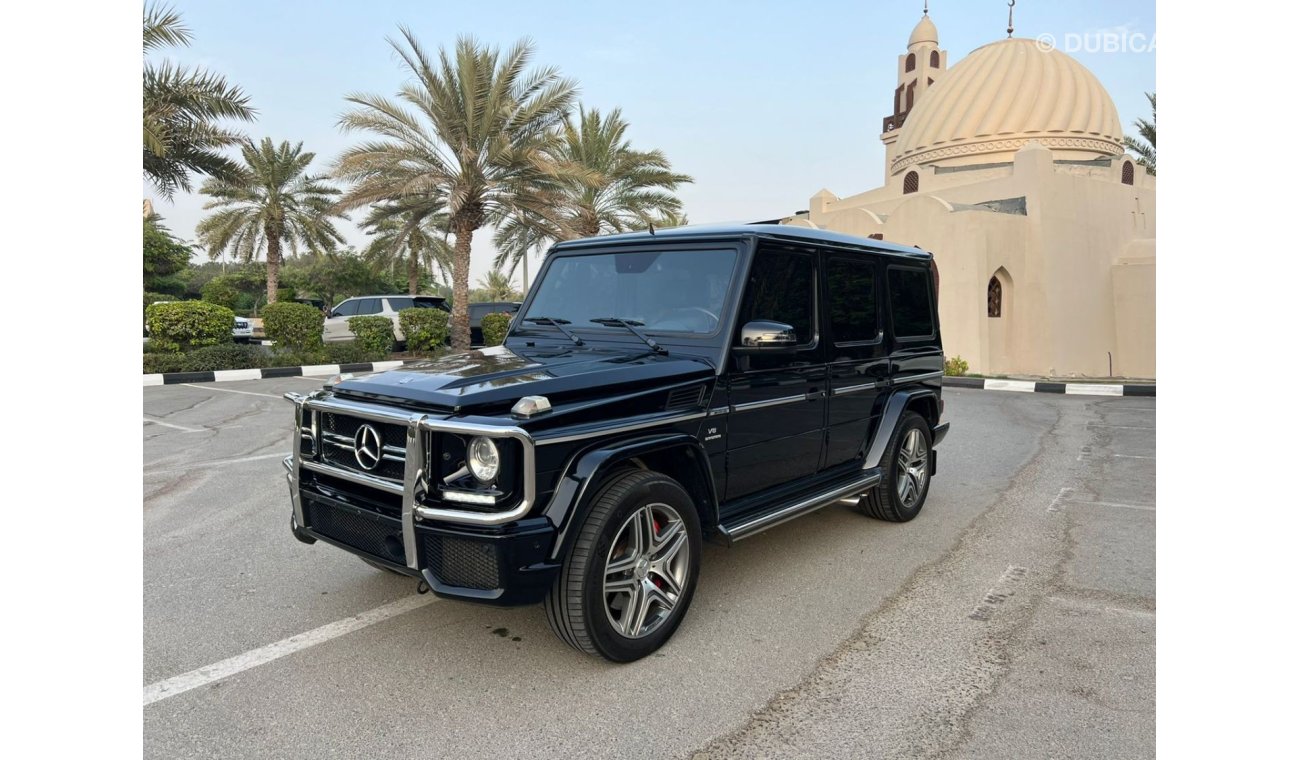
x=483, y=460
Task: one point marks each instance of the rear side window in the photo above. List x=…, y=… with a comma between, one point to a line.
x=909, y=303
x=853, y=300
x=397, y=304
x=368, y=306
x=781, y=288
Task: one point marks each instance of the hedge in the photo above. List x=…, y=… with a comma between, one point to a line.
x=293, y=325
x=425, y=329
x=155, y=363
x=229, y=356
x=182, y=325
x=373, y=333
x=495, y=327
x=956, y=367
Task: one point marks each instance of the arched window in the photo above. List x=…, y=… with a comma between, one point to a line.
x=911, y=94
x=911, y=183
x=1126, y=174
x=934, y=59
x=911, y=62
x=995, y=297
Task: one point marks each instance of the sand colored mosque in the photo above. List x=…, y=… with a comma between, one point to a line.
x=1009, y=166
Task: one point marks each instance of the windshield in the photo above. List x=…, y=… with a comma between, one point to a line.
x=666, y=291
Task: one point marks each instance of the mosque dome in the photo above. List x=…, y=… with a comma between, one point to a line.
x=1002, y=96
x=925, y=31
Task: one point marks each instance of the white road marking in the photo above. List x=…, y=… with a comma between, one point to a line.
x=1093, y=389
x=1121, y=427
x=229, y=390
x=1055, y=505
x=1132, y=456
x=1131, y=408
x=1020, y=386
x=148, y=421
x=1117, y=505
x=216, y=463
x=1003, y=590
x=381, y=366
x=207, y=674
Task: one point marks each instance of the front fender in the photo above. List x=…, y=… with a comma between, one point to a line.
x=580, y=482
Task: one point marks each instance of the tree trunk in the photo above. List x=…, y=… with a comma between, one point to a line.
x=413, y=271
x=460, y=287
x=272, y=266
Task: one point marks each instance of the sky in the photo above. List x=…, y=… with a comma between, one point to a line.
x=762, y=103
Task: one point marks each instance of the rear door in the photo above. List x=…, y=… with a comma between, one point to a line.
x=914, y=326
x=778, y=402
x=858, y=361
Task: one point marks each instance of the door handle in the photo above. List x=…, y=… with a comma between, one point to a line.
x=813, y=394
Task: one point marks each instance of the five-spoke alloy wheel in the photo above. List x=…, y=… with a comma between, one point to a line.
x=905, y=481
x=628, y=579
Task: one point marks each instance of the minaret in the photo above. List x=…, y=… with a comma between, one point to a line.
x=918, y=69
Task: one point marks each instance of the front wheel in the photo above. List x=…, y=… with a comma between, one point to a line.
x=626, y=584
x=906, y=481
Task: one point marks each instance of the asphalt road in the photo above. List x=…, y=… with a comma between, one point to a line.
x=1015, y=617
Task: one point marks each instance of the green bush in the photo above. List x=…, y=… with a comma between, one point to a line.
x=955, y=367
x=293, y=325
x=182, y=325
x=495, y=327
x=229, y=356
x=223, y=290
x=425, y=329
x=352, y=352
x=374, y=334
x=155, y=363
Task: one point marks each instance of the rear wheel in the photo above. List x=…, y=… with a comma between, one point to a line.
x=628, y=581
x=906, y=480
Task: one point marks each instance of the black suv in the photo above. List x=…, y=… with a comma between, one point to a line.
x=654, y=390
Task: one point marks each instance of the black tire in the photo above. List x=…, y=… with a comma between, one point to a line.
x=576, y=604
x=378, y=566
x=884, y=501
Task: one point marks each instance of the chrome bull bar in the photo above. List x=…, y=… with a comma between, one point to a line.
x=415, y=482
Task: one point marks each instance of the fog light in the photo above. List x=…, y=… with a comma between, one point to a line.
x=482, y=458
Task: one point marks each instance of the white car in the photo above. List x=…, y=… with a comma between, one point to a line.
x=336, y=321
x=243, y=331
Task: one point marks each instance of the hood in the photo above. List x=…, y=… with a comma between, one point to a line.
x=478, y=381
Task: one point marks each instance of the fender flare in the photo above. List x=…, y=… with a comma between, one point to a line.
x=580, y=481
x=893, y=414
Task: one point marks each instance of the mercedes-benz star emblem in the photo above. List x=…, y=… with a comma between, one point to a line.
x=368, y=447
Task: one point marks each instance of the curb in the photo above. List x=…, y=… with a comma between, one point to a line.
x=312, y=370
x=1035, y=386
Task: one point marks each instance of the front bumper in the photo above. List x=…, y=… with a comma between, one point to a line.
x=496, y=558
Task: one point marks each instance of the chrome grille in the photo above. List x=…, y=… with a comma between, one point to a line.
x=338, y=435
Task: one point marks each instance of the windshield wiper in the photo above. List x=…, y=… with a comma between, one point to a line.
x=631, y=325
x=558, y=323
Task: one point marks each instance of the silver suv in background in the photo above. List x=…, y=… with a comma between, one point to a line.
x=336, y=320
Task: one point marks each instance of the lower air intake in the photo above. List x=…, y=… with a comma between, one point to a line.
x=461, y=563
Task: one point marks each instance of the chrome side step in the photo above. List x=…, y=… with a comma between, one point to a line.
x=757, y=524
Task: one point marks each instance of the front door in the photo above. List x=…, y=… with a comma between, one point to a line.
x=336, y=324
x=778, y=402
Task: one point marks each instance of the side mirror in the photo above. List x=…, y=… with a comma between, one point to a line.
x=764, y=336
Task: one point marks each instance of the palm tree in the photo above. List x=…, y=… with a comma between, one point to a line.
x=273, y=201
x=472, y=127
x=624, y=189
x=664, y=221
x=181, y=107
x=410, y=237
x=496, y=286
x=1146, y=149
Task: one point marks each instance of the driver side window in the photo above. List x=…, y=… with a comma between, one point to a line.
x=782, y=287
x=345, y=309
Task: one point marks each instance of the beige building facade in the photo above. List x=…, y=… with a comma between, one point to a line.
x=1010, y=168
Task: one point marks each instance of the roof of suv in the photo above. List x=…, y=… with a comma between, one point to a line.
x=394, y=295
x=770, y=231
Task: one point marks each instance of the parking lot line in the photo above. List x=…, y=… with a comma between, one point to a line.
x=175, y=426
x=230, y=390
x=1132, y=456
x=207, y=674
x=215, y=463
x=1117, y=505
x=1120, y=427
